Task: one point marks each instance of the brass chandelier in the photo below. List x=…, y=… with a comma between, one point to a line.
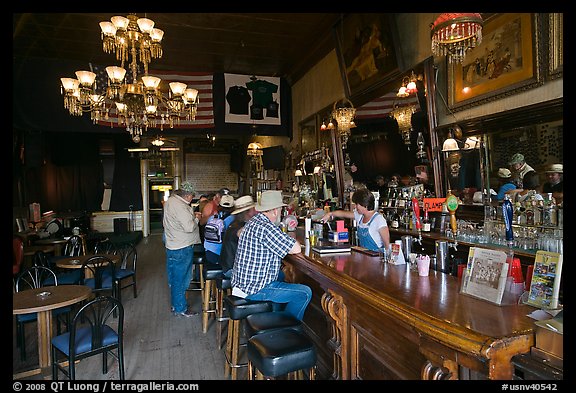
x=136, y=100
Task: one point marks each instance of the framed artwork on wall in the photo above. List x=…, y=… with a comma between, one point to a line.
x=508, y=61
x=366, y=46
x=556, y=45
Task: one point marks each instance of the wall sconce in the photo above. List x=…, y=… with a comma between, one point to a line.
x=454, y=142
x=408, y=85
x=297, y=173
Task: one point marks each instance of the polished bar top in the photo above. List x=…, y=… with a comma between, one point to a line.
x=433, y=303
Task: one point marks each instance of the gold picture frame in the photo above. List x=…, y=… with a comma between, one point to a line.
x=508, y=61
x=367, y=50
x=556, y=45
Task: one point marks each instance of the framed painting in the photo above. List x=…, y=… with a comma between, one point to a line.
x=555, y=45
x=366, y=46
x=508, y=61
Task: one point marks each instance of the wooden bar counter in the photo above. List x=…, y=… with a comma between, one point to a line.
x=373, y=320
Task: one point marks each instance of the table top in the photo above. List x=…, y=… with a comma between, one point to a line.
x=77, y=261
x=50, y=241
x=31, y=300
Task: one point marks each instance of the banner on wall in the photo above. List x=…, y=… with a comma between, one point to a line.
x=252, y=99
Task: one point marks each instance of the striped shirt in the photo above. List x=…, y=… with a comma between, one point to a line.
x=261, y=247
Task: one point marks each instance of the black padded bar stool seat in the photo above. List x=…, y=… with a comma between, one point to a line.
x=239, y=308
x=266, y=322
x=281, y=352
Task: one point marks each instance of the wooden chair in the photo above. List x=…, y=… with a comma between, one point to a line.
x=91, y=334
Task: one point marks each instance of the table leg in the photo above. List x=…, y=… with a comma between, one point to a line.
x=44, y=338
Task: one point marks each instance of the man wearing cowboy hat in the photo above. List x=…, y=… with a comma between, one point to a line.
x=555, y=183
x=181, y=234
x=519, y=168
x=244, y=211
x=261, y=247
x=506, y=184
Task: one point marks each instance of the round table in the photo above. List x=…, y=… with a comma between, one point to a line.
x=78, y=261
x=58, y=243
x=31, y=300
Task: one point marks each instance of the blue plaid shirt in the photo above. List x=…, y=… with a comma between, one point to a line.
x=261, y=247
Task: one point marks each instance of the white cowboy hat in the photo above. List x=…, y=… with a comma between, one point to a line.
x=557, y=168
x=243, y=203
x=270, y=200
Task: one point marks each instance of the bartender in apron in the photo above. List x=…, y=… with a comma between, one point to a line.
x=372, y=228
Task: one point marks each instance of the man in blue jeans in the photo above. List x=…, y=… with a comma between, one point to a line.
x=181, y=234
x=261, y=247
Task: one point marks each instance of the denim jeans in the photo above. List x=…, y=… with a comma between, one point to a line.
x=297, y=296
x=179, y=268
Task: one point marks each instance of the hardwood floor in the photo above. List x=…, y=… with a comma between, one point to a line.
x=157, y=344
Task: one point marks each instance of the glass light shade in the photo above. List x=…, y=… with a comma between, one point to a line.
x=472, y=143
x=254, y=149
x=317, y=170
x=411, y=87
x=108, y=28
x=450, y=144
x=86, y=78
x=453, y=34
x=146, y=25
x=121, y=107
x=177, y=88
x=70, y=84
x=402, y=92
x=120, y=22
x=96, y=99
x=151, y=82
x=151, y=109
x=116, y=74
x=157, y=142
x=157, y=35
x=297, y=172
x=190, y=95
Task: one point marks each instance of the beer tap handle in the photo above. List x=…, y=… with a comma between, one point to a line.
x=416, y=209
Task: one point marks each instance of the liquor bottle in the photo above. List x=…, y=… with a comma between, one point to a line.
x=396, y=219
x=426, y=225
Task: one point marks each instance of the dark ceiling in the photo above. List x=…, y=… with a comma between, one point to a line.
x=276, y=44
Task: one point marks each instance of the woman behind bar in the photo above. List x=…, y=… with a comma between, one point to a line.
x=373, y=231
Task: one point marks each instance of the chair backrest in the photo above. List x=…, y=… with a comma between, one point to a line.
x=34, y=277
x=40, y=259
x=99, y=268
x=128, y=255
x=74, y=246
x=17, y=254
x=97, y=314
x=104, y=246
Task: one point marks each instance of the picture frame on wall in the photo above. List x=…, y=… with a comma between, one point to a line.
x=507, y=61
x=367, y=50
x=555, y=45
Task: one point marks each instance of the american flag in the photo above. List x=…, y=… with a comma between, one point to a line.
x=200, y=81
x=382, y=106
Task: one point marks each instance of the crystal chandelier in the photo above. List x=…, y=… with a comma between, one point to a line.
x=343, y=112
x=136, y=100
x=403, y=116
x=453, y=34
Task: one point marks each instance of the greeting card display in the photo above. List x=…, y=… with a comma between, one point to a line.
x=485, y=275
x=545, y=284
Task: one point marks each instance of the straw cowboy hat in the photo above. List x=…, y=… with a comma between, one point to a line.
x=270, y=200
x=557, y=168
x=504, y=173
x=243, y=203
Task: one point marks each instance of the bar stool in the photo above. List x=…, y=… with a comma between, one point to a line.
x=266, y=322
x=197, y=266
x=210, y=271
x=281, y=352
x=223, y=288
x=238, y=309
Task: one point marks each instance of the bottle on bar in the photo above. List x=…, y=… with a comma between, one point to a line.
x=395, y=219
